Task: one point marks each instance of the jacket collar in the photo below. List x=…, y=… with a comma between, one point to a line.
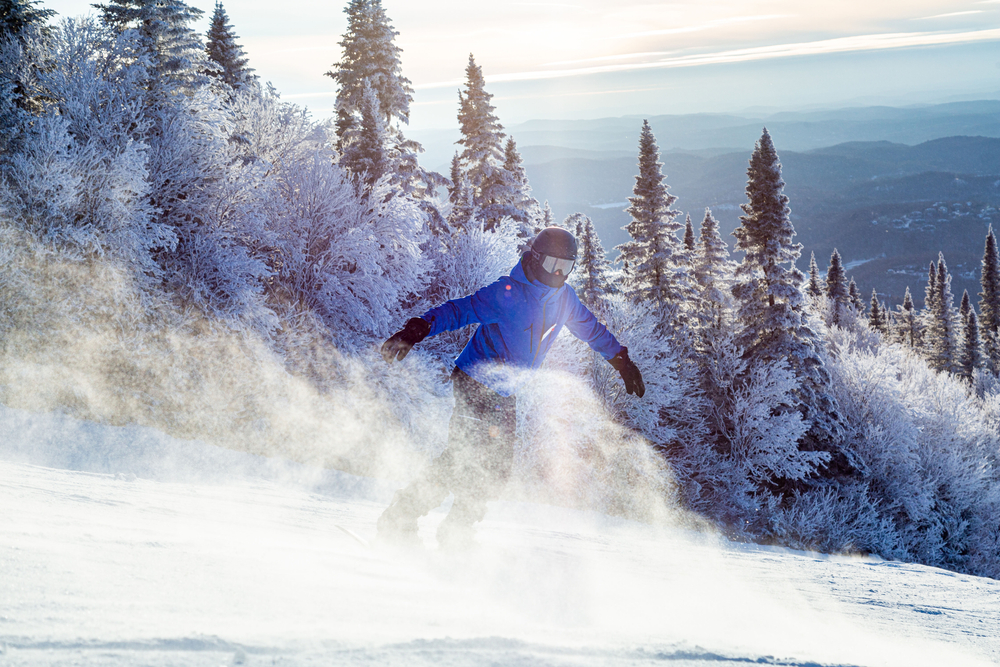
x=540, y=289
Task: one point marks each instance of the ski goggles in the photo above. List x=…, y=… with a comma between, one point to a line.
x=555, y=264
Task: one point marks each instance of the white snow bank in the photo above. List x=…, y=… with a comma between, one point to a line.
x=209, y=557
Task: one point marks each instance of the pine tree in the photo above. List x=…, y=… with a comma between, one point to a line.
x=455, y=192
x=713, y=270
x=689, y=236
x=366, y=156
x=654, y=257
x=836, y=289
x=940, y=336
x=814, y=288
x=16, y=15
x=989, y=304
x=969, y=355
x=854, y=294
x=770, y=305
x=591, y=277
x=908, y=325
x=877, y=318
x=222, y=49
x=965, y=307
x=547, y=217
x=522, y=207
x=482, y=155
x=178, y=57
x=369, y=54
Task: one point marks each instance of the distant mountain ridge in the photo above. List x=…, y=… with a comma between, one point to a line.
x=869, y=181
x=859, y=197
x=792, y=130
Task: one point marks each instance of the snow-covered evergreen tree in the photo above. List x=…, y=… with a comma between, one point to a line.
x=837, y=291
x=656, y=269
x=878, y=319
x=908, y=322
x=771, y=308
x=369, y=54
x=223, y=50
x=591, y=277
x=813, y=288
x=178, y=57
x=713, y=274
x=855, y=297
x=482, y=155
x=366, y=156
x=989, y=304
x=689, y=236
x=969, y=353
x=940, y=334
x=523, y=207
x=16, y=15
x=547, y=217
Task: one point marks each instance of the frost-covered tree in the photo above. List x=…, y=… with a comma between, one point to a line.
x=969, y=354
x=989, y=304
x=940, y=333
x=591, y=277
x=223, y=50
x=353, y=260
x=656, y=269
x=367, y=156
x=837, y=291
x=369, y=54
x=370, y=57
x=455, y=192
x=79, y=175
x=855, y=297
x=177, y=56
x=813, y=288
x=16, y=15
x=523, y=207
x=482, y=155
x=713, y=275
x=689, y=236
x=927, y=314
x=877, y=317
x=547, y=217
x=908, y=322
x=771, y=308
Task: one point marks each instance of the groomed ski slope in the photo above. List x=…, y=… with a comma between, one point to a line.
x=122, y=546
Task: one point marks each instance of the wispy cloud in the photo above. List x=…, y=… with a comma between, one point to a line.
x=701, y=27
x=820, y=47
x=620, y=56
x=944, y=16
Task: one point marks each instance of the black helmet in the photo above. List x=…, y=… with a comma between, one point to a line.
x=553, y=254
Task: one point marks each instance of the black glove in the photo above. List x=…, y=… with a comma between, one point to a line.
x=629, y=372
x=401, y=342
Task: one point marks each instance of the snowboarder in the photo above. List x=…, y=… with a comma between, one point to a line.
x=520, y=316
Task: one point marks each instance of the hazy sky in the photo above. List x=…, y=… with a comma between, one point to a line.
x=593, y=58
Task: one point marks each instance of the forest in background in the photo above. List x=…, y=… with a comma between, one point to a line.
x=182, y=249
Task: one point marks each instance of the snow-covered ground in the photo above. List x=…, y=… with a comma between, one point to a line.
x=126, y=547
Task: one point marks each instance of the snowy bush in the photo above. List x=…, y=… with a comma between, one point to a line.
x=925, y=450
x=350, y=258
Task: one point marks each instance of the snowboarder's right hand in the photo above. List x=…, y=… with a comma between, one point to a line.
x=629, y=372
x=401, y=342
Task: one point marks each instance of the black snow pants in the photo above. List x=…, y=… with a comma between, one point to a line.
x=477, y=462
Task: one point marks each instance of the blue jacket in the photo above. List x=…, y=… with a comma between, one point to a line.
x=519, y=319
